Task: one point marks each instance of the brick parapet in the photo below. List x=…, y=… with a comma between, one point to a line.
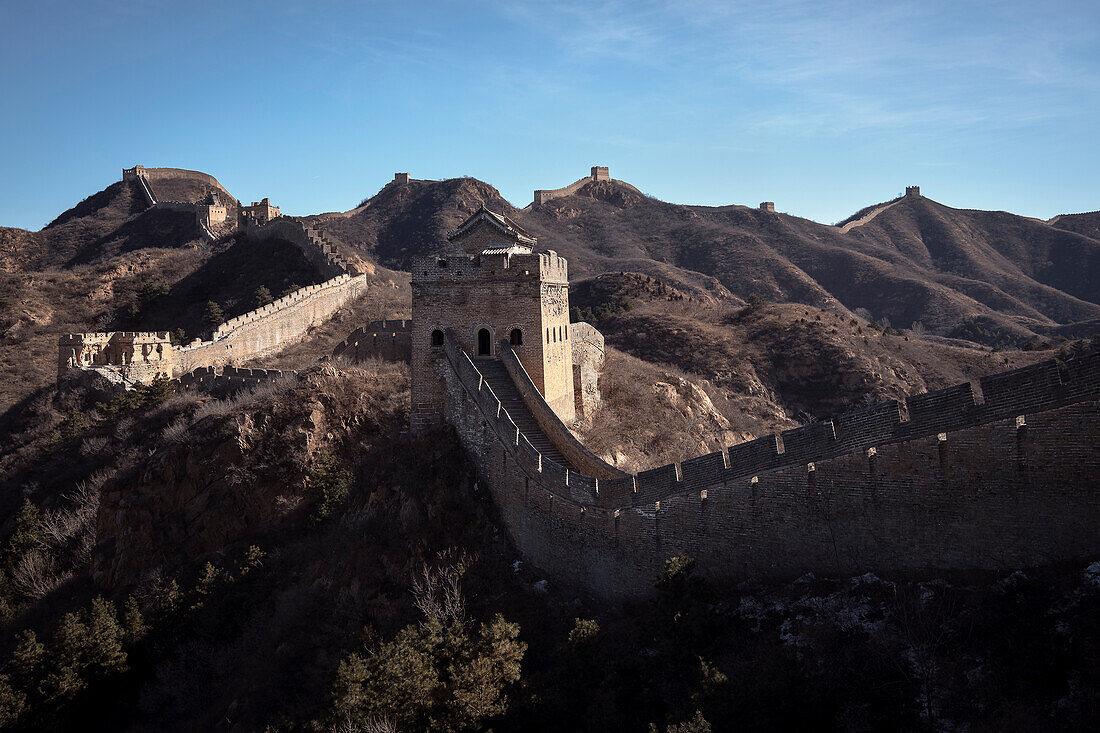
x=321, y=253
x=387, y=339
x=228, y=379
x=961, y=485
x=274, y=326
x=548, y=267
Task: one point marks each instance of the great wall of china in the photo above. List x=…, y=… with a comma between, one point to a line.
x=128, y=358
x=599, y=173
x=941, y=484
x=975, y=478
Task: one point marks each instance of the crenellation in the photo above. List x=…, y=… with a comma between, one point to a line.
x=896, y=481
x=128, y=358
x=705, y=469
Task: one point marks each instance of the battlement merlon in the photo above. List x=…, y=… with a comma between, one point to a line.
x=491, y=265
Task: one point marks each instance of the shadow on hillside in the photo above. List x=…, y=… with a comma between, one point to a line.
x=229, y=278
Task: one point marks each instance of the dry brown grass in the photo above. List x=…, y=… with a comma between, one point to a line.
x=653, y=415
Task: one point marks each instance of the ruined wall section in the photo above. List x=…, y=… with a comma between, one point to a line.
x=587, y=345
x=959, y=486
x=230, y=379
x=278, y=324
x=388, y=340
x=123, y=357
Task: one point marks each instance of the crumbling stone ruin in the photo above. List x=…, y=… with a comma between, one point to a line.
x=122, y=357
x=259, y=213
x=768, y=206
x=912, y=191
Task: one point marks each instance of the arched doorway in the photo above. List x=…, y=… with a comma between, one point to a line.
x=484, y=342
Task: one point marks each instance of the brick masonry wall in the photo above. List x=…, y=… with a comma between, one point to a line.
x=551, y=425
x=320, y=252
x=959, y=487
x=230, y=379
x=266, y=330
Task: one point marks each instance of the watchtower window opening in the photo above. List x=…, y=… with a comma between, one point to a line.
x=484, y=343
x=437, y=337
x=516, y=337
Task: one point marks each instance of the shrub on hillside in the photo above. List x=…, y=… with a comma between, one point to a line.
x=328, y=484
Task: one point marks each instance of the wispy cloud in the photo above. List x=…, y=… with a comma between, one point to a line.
x=853, y=65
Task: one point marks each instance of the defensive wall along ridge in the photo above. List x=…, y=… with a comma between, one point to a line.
x=599, y=173
x=940, y=484
x=321, y=252
x=130, y=358
x=387, y=339
x=266, y=330
x=146, y=175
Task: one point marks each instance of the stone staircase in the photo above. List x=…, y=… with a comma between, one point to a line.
x=327, y=248
x=498, y=378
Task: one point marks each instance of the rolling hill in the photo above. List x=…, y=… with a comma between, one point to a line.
x=991, y=277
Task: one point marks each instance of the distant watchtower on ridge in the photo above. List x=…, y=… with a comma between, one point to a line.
x=488, y=284
x=912, y=191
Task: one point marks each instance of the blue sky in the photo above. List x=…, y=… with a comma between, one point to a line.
x=823, y=107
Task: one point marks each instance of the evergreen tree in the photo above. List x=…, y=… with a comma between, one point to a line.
x=212, y=315
x=261, y=297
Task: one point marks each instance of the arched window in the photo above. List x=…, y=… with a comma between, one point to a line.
x=484, y=343
x=516, y=337
x=437, y=337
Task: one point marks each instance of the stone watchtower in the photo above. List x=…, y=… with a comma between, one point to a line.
x=489, y=285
